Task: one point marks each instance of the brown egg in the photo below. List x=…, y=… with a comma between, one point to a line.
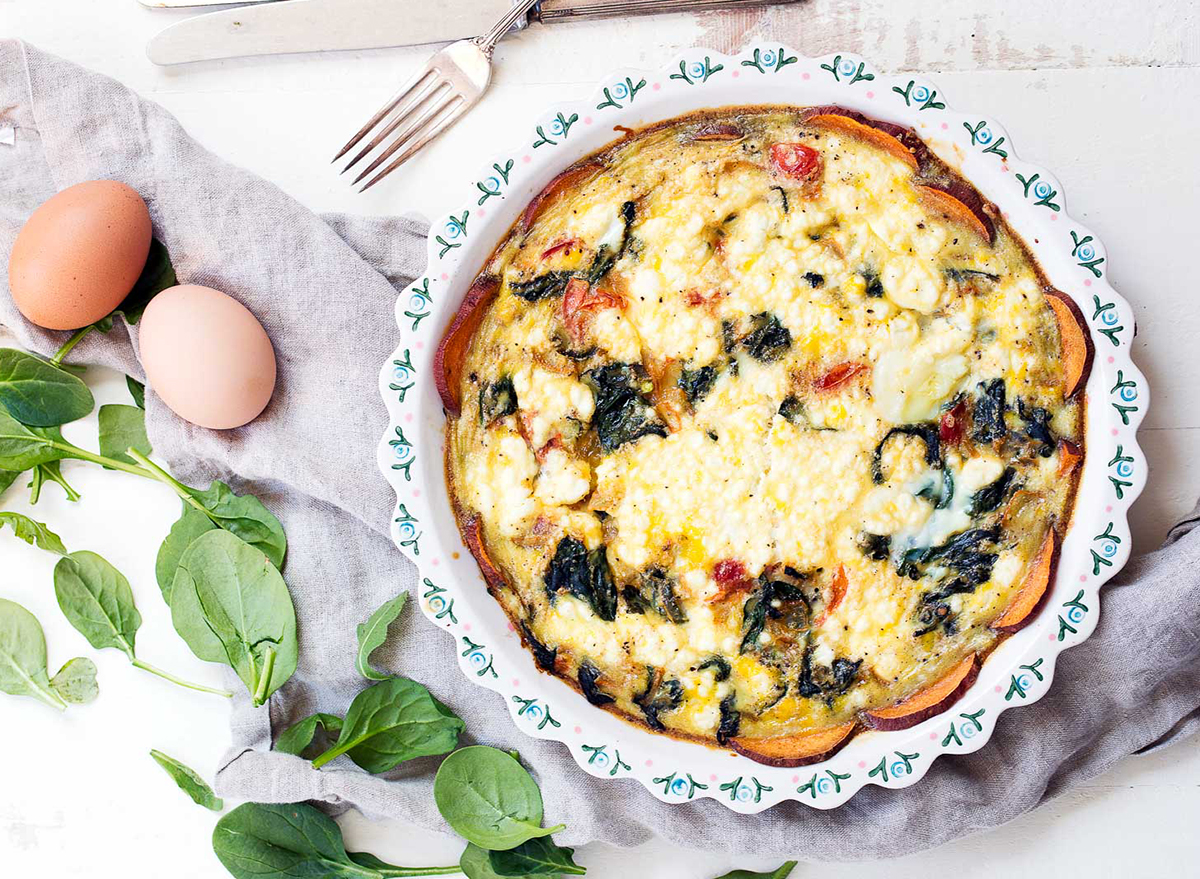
x=206, y=356
x=79, y=254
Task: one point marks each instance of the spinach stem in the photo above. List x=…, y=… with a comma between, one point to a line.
x=62, y=352
x=166, y=478
x=74, y=451
x=55, y=475
x=321, y=759
x=165, y=675
x=419, y=871
x=264, y=678
x=35, y=485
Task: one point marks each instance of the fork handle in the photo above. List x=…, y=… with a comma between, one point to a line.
x=518, y=12
x=559, y=10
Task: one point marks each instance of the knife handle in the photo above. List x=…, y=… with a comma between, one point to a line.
x=561, y=10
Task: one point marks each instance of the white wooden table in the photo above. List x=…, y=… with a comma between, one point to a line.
x=1103, y=92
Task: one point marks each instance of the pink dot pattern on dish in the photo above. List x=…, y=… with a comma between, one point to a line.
x=806, y=76
x=656, y=86
x=587, y=120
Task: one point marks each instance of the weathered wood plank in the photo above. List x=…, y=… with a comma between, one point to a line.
x=916, y=35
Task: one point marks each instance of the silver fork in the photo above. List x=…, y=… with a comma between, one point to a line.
x=450, y=84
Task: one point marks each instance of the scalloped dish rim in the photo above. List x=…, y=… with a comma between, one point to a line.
x=452, y=593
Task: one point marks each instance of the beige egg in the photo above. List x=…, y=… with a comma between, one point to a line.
x=79, y=254
x=206, y=356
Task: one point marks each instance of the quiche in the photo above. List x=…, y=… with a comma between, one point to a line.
x=764, y=428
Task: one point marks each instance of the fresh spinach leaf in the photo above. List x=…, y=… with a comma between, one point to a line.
x=137, y=390
x=298, y=737
x=22, y=448
x=391, y=722
x=157, y=275
x=37, y=393
x=122, y=427
x=489, y=799
x=76, y=681
x=23, y=655
x=245, y=516
x=96, y=599
x=51, y=471
x=230, y=604
x=189, y=782
x=535, y=857
x=781, y=872
x=33, y=533
x=373, y=633
x=291, y=840
x=476, y=863
x=190, y=525
x=7, y=478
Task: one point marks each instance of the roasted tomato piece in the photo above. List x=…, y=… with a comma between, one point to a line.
x=838, y=587
x=795, y=160
x=838, y=376
x=729, y=571
x=581, y=301
x=560, y=246
x=953, y=423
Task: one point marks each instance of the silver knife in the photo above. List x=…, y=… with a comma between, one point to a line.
x=270, y=28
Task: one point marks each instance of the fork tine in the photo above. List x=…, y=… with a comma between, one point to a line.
x=421, y=123
x=414, y=81
x=430, y=133
x=408, y=118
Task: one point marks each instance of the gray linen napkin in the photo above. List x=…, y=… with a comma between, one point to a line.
x=324, y=289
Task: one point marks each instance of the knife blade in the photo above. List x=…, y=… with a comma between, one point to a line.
x=270, y=28
x=320, y=25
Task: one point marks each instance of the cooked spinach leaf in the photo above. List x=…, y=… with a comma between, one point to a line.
x=939, y=492
x=928, y=434
x=875, y=546
x=731, y=719
x=606, y=257
x=497, y=400
x=963, y=554
x=1037, y=427
x=658, y=697
x=776, y=599
x=720, y=666
x=656, y=590
x=959, y=275
x=542, y=287
x=623, y=412
x=768, y=338
x=586, y=575
x=792, y=410
x=814, y=280
x=874, y=286
x=991, y=496
x=988, y=416
x=588, y=676
x=696, y=383
x=544, y=656
x=826, y=682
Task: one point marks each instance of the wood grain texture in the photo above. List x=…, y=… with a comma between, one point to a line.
x=917, y=35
